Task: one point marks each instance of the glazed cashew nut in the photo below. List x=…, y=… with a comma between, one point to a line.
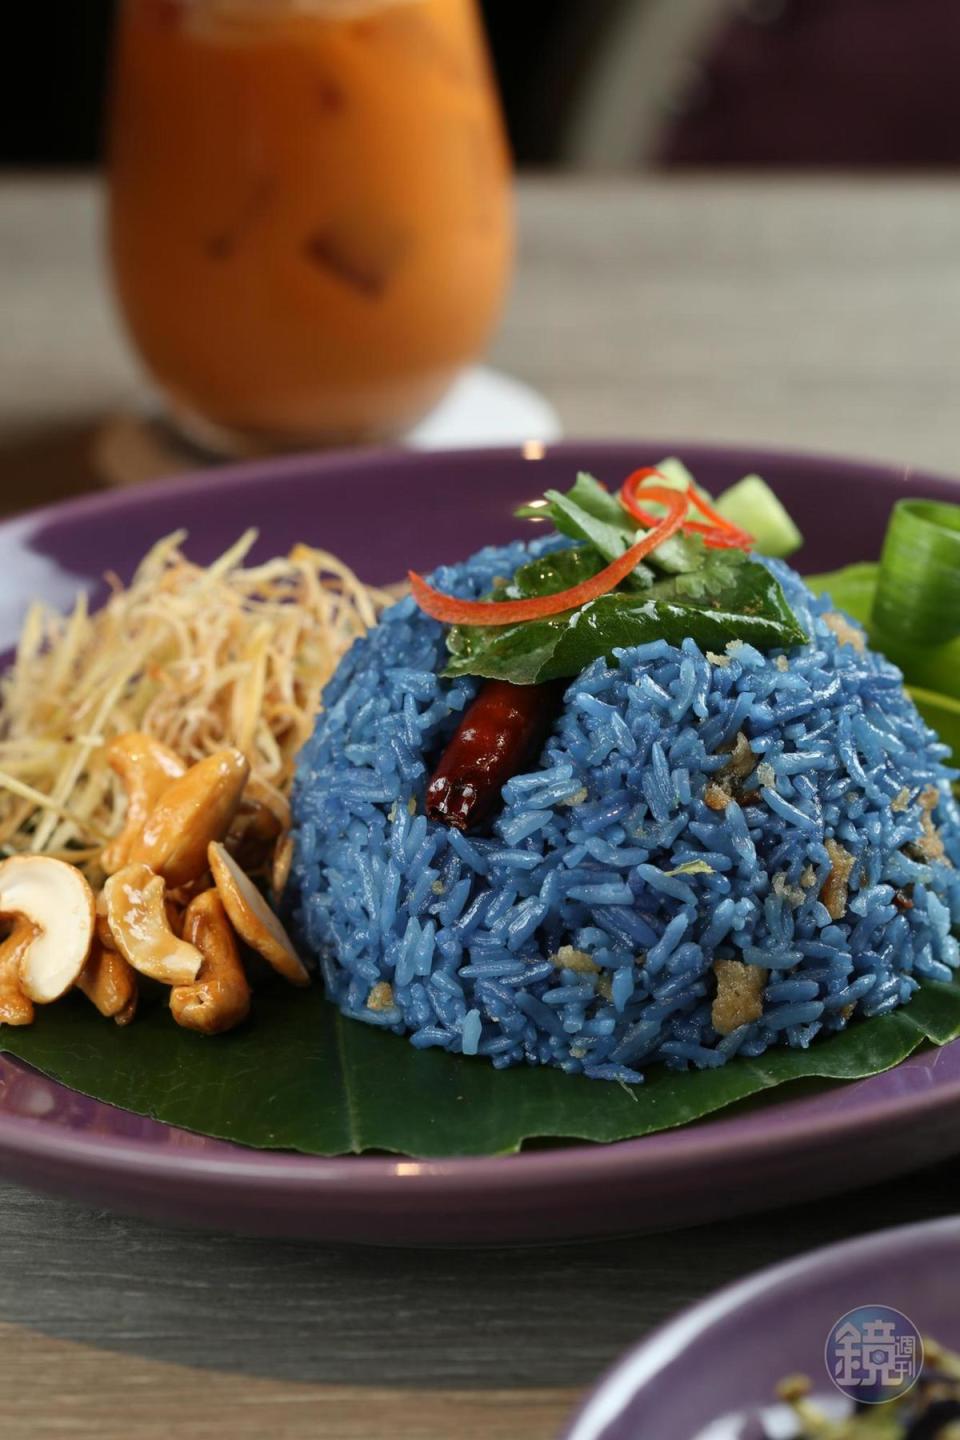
x=282, y=863
x=140, y=928
x=195, y=810
x=264, y=813
x=16, y=1008
x=220, y=997
x=146, y=768
x=102, y=932
x=55, y=899
x=109, y=983
x=252, y=917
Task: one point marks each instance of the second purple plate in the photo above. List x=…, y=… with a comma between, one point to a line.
x=712, y=1373
x=384, y=512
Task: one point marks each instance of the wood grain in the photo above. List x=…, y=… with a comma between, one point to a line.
x=799, y=312
x=106, y=1398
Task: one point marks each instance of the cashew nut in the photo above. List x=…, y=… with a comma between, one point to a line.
x=137, y=912
x=146, y=768
x=220, y=997
x=252, y=917
x=264, y=813
x=176, y=909
x=196, y=809
x=15, y=1007
x=102, y=931
x=57, y=901
x=282, y=861
x=109, y=983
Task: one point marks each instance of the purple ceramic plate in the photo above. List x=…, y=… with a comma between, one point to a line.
x=384, y=512
x=708, y=1374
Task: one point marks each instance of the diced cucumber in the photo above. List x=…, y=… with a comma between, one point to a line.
x=674, y=475
x=752, y=505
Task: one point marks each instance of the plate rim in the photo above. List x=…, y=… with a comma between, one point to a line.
x=682, y=1147
x=693, y=1144
x=623, y=1381
x=224, y=477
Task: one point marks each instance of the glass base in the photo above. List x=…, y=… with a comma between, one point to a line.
x=210, y=441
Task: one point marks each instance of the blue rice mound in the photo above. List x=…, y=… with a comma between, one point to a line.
x=583, y=931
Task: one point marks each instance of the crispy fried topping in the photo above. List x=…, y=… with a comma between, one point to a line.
x=739, y=997
x=791, y=893
x=739, y=764
x=380, y=997
x=930, y=845
x=836, y=888
x=577, y=798
x=742, y=759
x=846, y=633
x=567, y=958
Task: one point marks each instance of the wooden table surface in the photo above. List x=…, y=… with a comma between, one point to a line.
x=825, y=315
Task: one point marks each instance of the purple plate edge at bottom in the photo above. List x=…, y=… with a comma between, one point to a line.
x=714, y=1134
x=687, y=1148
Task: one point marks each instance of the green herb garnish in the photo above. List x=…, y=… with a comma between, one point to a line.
x=589, y=512
x=682, y=589
x=729, y=598
x=752, y=505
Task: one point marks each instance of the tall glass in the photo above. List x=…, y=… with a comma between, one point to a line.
x=310, y=211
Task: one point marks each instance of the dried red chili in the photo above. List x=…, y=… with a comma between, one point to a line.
x=501, y=732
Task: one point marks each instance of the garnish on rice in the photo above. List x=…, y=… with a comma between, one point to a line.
x=681, y=572
x=631, y=576
x=539, y=607
x=502, y=731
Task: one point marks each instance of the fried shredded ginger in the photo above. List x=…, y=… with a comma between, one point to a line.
x=200, y=658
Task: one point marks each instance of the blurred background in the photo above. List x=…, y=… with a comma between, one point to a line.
x=770, y=181
x=612, y=84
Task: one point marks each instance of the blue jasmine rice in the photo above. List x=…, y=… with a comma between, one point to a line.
x=714, y=854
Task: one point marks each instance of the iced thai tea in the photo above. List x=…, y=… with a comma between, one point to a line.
x=310, y=214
